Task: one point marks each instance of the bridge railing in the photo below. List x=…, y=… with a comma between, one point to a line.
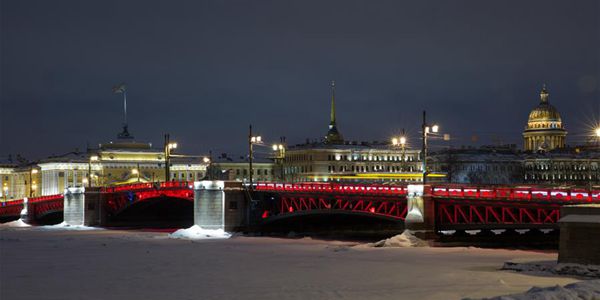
x=516, y=193
x=45, y=198
x=147, y=185
x=337, y=188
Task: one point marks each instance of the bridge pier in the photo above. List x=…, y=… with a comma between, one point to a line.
x=82, y=207
x=421, y=211
x=220, y=205
x=209, y=204
x=27, y=212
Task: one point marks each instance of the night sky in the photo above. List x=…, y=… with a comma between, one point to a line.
x=204, y=70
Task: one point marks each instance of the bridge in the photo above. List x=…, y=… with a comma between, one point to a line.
x=232, y=206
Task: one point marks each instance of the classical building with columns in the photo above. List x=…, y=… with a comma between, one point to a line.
x=114, y=163
x=544, y=130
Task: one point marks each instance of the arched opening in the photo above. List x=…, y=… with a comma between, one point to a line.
x=334, y=224
x=50, y=218
x=160, y=212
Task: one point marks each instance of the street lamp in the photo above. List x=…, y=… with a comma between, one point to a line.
x=426, y=128
x=31, y=182
x=251, y=141
x=137, y=173
x=168, y=148
x=597, y=132
x=92, y=158
x=401, y=141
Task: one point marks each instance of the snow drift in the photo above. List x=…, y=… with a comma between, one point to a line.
x=584, y=290
x=196, y=232
x=17, y=223
x=405, y=239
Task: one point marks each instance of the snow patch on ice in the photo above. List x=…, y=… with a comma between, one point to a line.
x=552, y=268
x=405, y=239
x=196, y=232
x=65, y=226
x=583, y=290
x=17, y=223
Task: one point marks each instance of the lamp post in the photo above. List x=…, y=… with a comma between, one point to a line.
x=426, y=128
x=92, y=159
x=168, y=148
x=401, y=141
x=32, y=185
x=251, y=141
x=279, y=150
x=137, y=173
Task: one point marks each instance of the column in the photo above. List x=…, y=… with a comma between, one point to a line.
x=209, y=204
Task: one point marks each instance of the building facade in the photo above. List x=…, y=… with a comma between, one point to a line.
x=569, y=167
x=122, y=162
x=485, y=165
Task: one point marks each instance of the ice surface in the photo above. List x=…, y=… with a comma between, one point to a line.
x=553, y=268
x=196, y=232
x=17, y=223
x=65, y=226
x=584, y=290
x=405, y=239
x=134, y=264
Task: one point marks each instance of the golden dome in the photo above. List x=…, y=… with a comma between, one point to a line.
x=544, y=115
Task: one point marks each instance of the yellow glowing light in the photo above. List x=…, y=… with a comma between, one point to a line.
x=597, y=131
x=34, y=171
x=93, y=158
x=84, y=181
x=435, y=128
x=394, y=141
x=206, y=160
x=135, y=171
x=402, y=140
x=274, y=147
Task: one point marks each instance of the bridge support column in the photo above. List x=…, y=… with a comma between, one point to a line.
x=27, y=212
x=209, y=204
x=82, y=207
x=421, y=211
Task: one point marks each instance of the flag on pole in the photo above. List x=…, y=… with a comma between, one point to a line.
x=119, y=88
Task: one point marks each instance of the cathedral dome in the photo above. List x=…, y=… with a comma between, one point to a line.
x=544, y=115
x=544, y=130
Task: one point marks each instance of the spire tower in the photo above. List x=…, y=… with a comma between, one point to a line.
x=333, y=135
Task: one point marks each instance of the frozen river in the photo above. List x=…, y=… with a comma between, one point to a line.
x=109, y=264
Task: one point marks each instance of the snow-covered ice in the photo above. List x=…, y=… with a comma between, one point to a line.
x=65, y=226
x=554, y=268
x=584, y=290
x=120, y=264
x=405, y=239
x=17, y=223
x=196, y=232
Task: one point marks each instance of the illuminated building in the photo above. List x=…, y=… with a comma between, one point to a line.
x=337, y=159
x=579, y=167
x=544, y=130
x=121, y=162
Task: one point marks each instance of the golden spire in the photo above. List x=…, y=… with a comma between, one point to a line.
x=332, y=122
x=544, y=94
x=333, y=135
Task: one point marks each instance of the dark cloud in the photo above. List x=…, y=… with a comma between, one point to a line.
x=204, y=70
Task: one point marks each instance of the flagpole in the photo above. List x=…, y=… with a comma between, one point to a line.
x=125, y=106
